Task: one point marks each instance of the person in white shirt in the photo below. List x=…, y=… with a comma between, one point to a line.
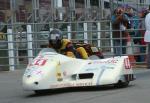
x=147, y=27
x=147, y=35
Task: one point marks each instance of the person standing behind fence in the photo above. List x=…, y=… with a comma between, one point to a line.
x=147, y=36
x=120, y=23
x=142, y=13
x=134, y=33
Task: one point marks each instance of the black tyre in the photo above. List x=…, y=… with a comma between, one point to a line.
x=121, y=84
x=39, y=92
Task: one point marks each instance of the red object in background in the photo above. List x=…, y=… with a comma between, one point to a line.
x=132, y=60
x=21, y=16
x=2, y=17
x=4, y=4
x=127, y=63
x=142, y=40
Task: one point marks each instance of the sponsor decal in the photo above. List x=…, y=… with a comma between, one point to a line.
x=61, y=85
x=58, y=72
x=39, y=62
x=127, y=63
x=101, y=67
x=110, y=61
x=39, y=72
x=65, y=73
x=32, y=71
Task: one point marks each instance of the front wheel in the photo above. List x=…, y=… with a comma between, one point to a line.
x=38, y=92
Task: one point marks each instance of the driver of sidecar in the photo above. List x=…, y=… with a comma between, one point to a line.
x=65, y=46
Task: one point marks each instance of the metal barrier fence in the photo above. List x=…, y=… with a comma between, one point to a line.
x=21, y=42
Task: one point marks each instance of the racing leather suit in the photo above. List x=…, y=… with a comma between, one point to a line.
x=68, y=49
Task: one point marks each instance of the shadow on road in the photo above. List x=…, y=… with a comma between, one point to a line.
x=75, y=89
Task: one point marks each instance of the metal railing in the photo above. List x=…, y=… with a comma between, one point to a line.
x=18, y=48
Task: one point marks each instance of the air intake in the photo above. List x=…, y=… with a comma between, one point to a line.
x=86, y=76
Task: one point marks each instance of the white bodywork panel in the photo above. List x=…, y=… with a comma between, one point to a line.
x=50, y=70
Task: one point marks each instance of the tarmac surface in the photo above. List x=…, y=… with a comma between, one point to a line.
x=138, y=91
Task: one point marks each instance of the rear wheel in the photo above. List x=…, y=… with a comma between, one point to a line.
x=121, y=84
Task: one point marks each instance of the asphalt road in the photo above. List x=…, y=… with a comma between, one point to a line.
x=138, y=91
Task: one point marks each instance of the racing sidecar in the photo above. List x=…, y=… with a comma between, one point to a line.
x=51, y=70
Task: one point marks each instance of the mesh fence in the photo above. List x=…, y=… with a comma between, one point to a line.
x=25, y=27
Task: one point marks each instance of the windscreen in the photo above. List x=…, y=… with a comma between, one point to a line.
x=47, y=50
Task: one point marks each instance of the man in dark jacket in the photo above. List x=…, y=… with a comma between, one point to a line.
x=120, y=23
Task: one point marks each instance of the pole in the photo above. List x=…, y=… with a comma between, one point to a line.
x=99, y=33
x=10, y=38
x=69, y=32
x=85, y=33
x=11, y=50
x=29, y=40
x=59, y=5
x=111, y=39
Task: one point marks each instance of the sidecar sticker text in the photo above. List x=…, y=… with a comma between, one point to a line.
x=39, y=62
x=111, y=61
x=33, y=71
x=61, y=85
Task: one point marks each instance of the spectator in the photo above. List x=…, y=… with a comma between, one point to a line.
x=120, y=23
x=147, y=35
x=134, y=32
x=142, y=13
x=132, y=19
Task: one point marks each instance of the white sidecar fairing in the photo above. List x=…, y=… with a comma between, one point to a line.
x=50, y=70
